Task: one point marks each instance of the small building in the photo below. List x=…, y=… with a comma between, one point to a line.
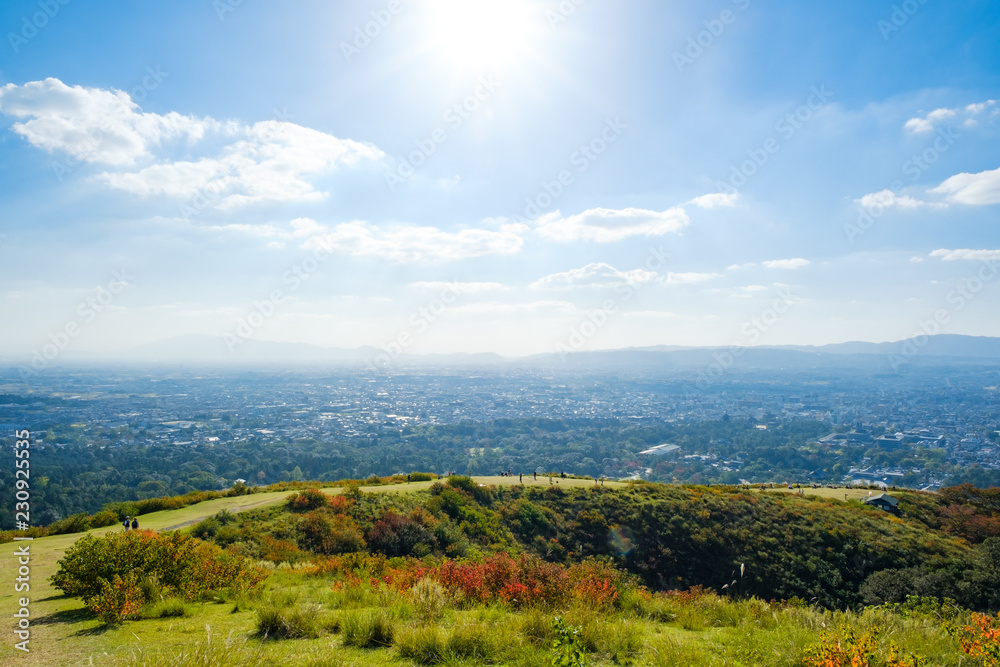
x=661, y=450
x=884, y=502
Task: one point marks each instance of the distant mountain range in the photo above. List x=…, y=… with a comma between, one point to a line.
x=212, y=350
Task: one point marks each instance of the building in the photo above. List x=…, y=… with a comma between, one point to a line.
x=884, y=502
x=661, y=450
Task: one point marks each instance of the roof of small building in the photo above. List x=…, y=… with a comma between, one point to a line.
x=885, y=497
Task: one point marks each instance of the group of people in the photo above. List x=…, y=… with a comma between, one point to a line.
x=131, y=521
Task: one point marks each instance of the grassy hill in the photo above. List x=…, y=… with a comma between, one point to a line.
x=651, y=543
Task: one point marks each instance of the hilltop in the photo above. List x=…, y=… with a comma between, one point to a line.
x=679, y=571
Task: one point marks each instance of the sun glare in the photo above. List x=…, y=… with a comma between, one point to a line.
x=477, y=34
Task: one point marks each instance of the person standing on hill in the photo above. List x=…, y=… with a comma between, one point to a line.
x=125, y=522
x=135, y=523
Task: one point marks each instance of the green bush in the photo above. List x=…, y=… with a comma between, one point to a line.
x=103, y=518
x=181, y=565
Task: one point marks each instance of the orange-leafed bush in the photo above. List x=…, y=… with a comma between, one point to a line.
x=280, y=551
x=981, y=639
x=117, y=600
x=852, y=649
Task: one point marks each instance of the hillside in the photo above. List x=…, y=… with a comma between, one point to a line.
x=330, y=550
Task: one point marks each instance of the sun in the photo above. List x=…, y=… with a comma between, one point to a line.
x=480, y=34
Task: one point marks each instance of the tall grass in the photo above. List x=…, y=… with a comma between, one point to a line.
x=212, y=652
x=367, y=628
x=424, y=644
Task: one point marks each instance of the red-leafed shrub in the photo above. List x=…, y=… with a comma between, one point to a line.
x=308, y=501
x=396, y=535
x=522, y=581
x=326, y=534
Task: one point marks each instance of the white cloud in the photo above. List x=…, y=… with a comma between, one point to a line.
x=91, y=124
x=267, y=161
x=499, y=308
x=270, y=163
x=410, y=243
x=716, y=200
x=884, y=199
x=690, y=278
x=298, y=228
x=650, y=314
x=460, y=287
x=927, y=123
x=596, y=275
x=972, y=189
x=966, y=254
x=607, y=225
x=788, y=264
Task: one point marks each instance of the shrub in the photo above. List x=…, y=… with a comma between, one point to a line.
x=337, y=534
x=116, y=599
x=179, y=563
x=308, y=500
x=422, y=644
x=103, y=518
x=854, y=649
x=980, y=638
x=367, y=629
x=77, y=523
x=280, y=551
x=395, y=535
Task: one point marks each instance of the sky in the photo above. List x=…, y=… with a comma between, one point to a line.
x=509, y=176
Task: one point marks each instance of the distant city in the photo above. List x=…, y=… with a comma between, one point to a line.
x=921, y=426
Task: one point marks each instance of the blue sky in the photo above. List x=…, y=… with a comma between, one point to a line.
x=497, y=175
